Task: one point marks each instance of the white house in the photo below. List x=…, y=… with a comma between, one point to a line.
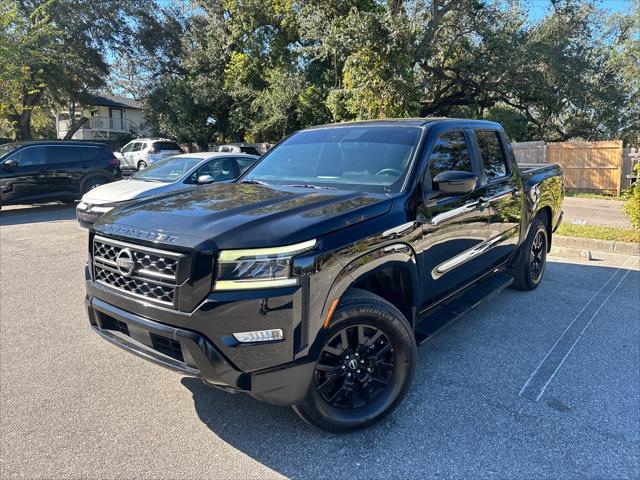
x=108, y=115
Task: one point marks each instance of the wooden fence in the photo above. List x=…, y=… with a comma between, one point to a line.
x=588, y=166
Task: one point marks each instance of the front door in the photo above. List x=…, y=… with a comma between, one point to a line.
x=455, y=226
x=29, y=179
x=116, y=119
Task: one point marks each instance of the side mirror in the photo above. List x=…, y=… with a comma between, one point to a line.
x=11, y=163
x=456, y=182
x=204, y=179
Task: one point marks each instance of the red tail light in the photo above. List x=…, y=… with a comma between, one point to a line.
x=114, y=162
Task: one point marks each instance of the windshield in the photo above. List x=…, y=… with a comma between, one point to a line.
x=8, y=147
x=167, y=170
x=368, y=158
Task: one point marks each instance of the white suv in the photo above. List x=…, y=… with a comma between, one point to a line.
x=138, y=154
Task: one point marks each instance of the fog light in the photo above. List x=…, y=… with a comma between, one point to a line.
x=259, y=336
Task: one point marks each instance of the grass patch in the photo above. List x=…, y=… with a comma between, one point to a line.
x=596, y=196
x=599, y=233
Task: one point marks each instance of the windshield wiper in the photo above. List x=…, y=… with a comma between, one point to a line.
x=308, y=185
x=254, y=182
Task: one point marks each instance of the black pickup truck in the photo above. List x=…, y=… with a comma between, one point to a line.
x=311, y=280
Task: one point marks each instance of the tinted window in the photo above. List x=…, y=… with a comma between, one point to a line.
x=127, y=148
x=93, y=154
x=137, y=146
x=166, y=146
x=64, y=154
x=495, y=164
x=8, y=147
x=450, y=153
x=250, y=150
x=221, y=169
x=368, y=158
x=30, y=156
x=244, y=163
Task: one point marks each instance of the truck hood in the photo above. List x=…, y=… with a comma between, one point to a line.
x=227, y=216
x=121, y=191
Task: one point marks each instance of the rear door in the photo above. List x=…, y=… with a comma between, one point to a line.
x=455, y=226
x=502, y=187
x=67, y=166
x=29, y=179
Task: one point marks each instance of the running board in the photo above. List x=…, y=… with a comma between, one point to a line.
x=451, y=309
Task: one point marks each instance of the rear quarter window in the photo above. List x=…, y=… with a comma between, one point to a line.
x=95, y=154
x=63, y=154
x=166, y=146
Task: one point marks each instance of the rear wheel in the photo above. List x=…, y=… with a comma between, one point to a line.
x=529, y=267
x=365, y=367
x=142, y=165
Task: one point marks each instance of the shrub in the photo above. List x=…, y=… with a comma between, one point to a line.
x=632, y=205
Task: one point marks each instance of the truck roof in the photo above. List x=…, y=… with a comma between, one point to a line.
x=417, y=122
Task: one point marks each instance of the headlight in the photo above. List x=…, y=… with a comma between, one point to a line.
x=82, y=206
x=258, y=268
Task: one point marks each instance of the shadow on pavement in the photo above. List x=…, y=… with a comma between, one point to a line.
x=463, y=416
x=50, y=212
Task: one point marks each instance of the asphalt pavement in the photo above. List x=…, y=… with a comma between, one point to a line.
x=595, y=211
x=542, y=384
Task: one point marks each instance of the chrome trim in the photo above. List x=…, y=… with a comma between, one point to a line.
x=135, y=246
x=467, y=255
x=399, y=229
x=448, y=215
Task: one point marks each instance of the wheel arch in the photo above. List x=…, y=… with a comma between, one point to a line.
x=93, y=176
x=390, y=271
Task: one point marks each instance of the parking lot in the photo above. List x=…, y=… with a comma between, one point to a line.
x=531, y=385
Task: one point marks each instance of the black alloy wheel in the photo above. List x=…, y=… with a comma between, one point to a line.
x=365, y=365
x=528, y=266
x=538, y=256
x=354, y=367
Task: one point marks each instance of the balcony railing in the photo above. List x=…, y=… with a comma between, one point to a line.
x=102, y=123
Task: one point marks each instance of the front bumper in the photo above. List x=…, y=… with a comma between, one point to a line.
x=192, y=353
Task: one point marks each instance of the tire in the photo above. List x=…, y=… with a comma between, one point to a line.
x=142, y=165
x=528, y=270
x=91, y=183
x=356, y=385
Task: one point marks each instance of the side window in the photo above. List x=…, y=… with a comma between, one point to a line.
x=63, y=154
x=93, y=154
x=219, y=169
x=450, y=153
x=30, y=156
x=137, y=146
x=244, y=163
x=127, y=148
x=493, y=158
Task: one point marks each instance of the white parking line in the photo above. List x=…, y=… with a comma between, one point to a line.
x=539, y=380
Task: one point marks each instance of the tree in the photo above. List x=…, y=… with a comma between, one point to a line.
x=54, y=51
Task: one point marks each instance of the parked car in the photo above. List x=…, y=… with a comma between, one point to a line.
x=53, y=170
x=250, y=148
x=311, y=280
x=142, y=152
x=174, y=173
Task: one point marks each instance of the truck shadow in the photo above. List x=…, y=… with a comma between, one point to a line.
x=463, y=406
x=50, y=212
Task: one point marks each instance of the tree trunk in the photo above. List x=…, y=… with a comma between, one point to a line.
x=21, y=123
x=75, y=126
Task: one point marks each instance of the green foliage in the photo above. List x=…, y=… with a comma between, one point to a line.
x=54, y=51
x=632, y=205
x=262, y=69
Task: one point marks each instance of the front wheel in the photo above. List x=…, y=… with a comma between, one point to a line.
x=142, y=165
x=365, y=367
x=528, y=269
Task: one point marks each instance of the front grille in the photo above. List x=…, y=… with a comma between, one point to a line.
x=152, y=274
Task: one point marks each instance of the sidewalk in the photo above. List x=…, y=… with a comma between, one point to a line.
x=596, y=212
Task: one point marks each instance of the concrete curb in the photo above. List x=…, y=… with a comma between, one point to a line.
x=592, y=248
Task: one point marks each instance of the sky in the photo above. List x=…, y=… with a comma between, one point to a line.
x=539, y=8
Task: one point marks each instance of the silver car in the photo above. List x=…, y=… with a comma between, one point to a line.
x=175, y=173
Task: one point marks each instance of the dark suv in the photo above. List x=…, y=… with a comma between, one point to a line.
x=52, y=170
